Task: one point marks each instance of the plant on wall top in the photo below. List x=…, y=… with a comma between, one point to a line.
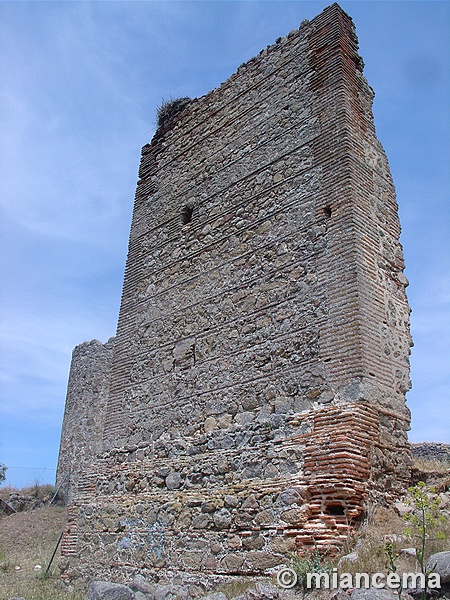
x=169, y=108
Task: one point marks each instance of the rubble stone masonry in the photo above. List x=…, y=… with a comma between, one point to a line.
x=85, y=412
x=431, y=451
x=258, y=375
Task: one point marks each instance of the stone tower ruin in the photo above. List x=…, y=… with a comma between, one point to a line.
x=253, y=400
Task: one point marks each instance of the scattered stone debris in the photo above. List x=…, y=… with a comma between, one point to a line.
x=104, y=590
x=18, y=502
x=440, y=563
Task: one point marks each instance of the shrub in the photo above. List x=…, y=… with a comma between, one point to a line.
x=313, y=563
x=425, y=523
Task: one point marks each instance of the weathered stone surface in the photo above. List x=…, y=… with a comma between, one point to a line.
x=104, y=590
x=253, y=542
x=283, y=545
x=402, y=508
x=201, y=521
x=222, y=518
x=216, y=596
x=445, y=500
x=372, y=594
x=431, y=451
x=232, y=562
x=170, y=592
x=257, y=381
x=264, y=560
x=173, y=481
x=262, y=591
x=193, y=560
x=85, y=411
x=140, y=584
x=348, y=558
x=296, y=516
x=231, y=501
x=19, y=502
x=291, y=496
x=440, y=563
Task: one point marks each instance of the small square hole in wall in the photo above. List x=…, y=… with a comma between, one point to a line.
x=335, y=509
x=186, y=215
x=327, y=211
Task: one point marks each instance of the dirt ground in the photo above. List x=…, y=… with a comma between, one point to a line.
x=28, y=539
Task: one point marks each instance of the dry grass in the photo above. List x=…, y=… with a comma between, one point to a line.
x=387, y=526
x=6, y=491
x=369, y=542
x=28, y=539
x=169, y=108
x=426, y=465
x=37, y=491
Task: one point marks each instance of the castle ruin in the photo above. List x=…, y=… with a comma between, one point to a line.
x=253, y=400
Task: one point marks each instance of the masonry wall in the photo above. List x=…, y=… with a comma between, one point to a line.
x=85, y=411
x=431, y=451
x=257, y=397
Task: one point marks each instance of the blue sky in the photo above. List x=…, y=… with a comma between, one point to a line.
x=80, y=83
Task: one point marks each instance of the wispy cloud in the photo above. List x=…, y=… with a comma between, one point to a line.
x=35, y=367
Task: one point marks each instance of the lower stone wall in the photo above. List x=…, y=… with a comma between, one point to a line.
x=267, y=492
x=431, y=451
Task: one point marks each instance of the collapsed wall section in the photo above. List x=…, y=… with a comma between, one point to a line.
x=257, y=397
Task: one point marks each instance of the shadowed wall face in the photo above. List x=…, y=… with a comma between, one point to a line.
x=258, y=378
